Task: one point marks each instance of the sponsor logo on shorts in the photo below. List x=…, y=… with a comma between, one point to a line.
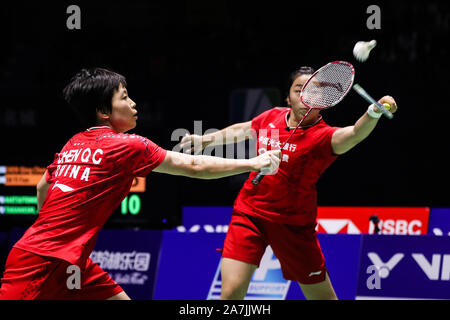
x=316, y=273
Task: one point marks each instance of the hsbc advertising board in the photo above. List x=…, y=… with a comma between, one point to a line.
x=331, y=220
x=364, y=220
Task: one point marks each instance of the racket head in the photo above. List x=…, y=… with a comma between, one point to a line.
x=328, y=86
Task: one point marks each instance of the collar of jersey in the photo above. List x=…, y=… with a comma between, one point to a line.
x=99, y=127
x=301, y=127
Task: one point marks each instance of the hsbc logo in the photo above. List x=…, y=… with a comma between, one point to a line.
x=438, y=268
x=398, y=226
x=334, y=226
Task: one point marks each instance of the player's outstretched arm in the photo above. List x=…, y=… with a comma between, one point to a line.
x=208, y=167
x=194, y=143
x=346, y=138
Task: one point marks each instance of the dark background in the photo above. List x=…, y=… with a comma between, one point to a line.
x=183, y=59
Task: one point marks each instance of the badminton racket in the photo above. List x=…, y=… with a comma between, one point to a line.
x=369, y=99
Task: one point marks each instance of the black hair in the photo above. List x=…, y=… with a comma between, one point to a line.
x=91, y=91
x=295, y=74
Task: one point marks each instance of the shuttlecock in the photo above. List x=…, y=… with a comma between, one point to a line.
x=362, y=49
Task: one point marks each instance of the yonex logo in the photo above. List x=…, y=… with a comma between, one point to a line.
x=384, y=267
x=436, y=269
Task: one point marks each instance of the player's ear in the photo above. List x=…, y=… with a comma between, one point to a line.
x=102, y=116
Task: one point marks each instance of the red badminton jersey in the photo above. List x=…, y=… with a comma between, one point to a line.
x=88, y=179
x=289, y=196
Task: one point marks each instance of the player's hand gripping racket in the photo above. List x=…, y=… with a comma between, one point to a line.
x=324, y=89
x=369, y=99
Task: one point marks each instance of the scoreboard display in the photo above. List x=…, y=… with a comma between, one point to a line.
x=149, y=205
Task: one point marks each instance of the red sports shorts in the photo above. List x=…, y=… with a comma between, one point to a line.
x=296, y=247
x=30, y=276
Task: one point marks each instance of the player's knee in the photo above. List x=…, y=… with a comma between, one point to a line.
x=321, y=296
x=232, y=294
x=233, y=291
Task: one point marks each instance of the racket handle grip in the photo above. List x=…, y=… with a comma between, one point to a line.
x=256, y=180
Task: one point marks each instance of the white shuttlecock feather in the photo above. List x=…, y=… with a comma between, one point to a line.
x=362, y=49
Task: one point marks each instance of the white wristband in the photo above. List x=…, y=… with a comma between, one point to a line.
x=372, y=113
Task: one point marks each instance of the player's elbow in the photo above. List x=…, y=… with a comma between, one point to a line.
x=345, y=139
x=42, y=186
x=197, y=168
x=200, y=171
x=345, y=146
x=184, y=165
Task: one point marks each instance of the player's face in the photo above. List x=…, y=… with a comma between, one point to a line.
x=124, y=115
x=294, y=95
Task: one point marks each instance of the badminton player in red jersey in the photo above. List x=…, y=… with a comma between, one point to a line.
x=281, y=210
x=86, y=181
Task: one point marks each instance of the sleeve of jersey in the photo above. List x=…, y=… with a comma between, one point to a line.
x=147, y=155
x=325, y=142
x=51, y=170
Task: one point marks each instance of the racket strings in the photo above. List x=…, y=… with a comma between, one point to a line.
x=328, y=86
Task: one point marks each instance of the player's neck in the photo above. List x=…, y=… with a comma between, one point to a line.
x=311, y=119
x=101, y=123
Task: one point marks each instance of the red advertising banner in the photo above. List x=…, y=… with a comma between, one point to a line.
x=356, y=220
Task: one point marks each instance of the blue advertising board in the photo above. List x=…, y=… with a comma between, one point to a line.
x=404, y=267
x=131, y=259
x=187, y=265
x=190, y=263
x=439, y=223
x=205, y=219
x=184, y=263
x=267, y=282
x=189, y=268
x=342, y=254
